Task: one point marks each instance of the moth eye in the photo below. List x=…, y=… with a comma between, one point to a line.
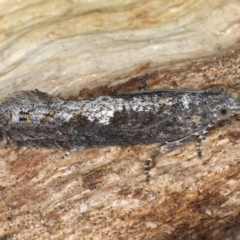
x=224, y=113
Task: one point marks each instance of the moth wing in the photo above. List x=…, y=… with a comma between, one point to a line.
x=24, y=98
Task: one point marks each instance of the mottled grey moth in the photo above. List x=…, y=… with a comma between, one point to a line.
x=170, y=117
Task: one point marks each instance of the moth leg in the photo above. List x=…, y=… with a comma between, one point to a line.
x=143, y=85
x=163, y=149
x=66, y=154
x=200, y=138
x=150, y=160
x=198, y=145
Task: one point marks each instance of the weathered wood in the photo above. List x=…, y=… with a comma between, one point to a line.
x=101, y=193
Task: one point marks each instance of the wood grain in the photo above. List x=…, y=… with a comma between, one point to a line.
x=72, y=48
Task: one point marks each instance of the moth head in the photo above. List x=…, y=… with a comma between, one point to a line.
x=224, y=112
x=223, y=105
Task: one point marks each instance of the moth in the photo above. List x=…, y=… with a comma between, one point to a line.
x=169, y=117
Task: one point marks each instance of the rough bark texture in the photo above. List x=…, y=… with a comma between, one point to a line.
x=106, y=47
x=101, y=193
